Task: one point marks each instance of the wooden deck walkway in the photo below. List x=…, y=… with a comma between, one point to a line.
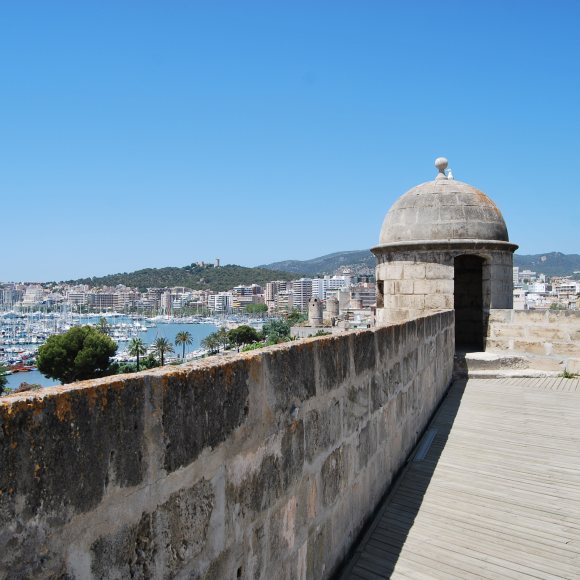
x=496, y=494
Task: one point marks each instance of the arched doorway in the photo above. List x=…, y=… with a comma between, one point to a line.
x=468, y=303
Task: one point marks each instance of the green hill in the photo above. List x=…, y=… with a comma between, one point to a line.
x=328, y=264
x=194, y=276
x=551, y=264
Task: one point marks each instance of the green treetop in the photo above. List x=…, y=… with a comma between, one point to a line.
x=81, y=353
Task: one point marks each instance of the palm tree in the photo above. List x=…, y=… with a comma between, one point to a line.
x=183, y=338
x=161, y=346
x=137, y=348
x=103, y=326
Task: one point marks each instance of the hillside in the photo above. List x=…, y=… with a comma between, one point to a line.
x=552, y=263
x=194, y=276
x=328, y=264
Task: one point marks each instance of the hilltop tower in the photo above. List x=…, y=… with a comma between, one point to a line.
x=444, y=245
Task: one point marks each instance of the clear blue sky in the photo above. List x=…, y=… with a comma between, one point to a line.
x=144, y=134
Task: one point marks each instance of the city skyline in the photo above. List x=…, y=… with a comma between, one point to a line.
x=148, y=137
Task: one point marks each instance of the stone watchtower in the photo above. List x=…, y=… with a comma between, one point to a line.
x=444, y=244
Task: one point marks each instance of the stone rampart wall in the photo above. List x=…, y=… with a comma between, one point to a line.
x=265, y=465
x=540, y=332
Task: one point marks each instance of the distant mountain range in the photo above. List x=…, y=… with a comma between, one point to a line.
x=329, y=264
x=226, y=277
x=551, y=263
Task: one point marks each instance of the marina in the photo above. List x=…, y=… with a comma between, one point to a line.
x=21, y=334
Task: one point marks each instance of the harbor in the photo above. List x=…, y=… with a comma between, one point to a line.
x=21, y=334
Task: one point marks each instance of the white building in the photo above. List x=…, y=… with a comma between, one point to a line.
x=221, y=302
x=320, y=286
x=302, y=290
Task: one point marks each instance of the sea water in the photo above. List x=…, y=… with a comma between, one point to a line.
x=166, y=330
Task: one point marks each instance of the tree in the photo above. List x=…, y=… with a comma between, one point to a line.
x=256, y=308
x=3, y=379
x=223, y=338
x=211, y=343
x=243, y=334
x=80, y=353
x=182, y=338
x=161, y=347
x=137, y=348
x=276, y=331
x=296, y=317
x=103, y=326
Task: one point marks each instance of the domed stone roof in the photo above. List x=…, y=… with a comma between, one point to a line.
x=443, y=209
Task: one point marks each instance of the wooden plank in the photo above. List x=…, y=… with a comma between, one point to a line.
x=496, y=496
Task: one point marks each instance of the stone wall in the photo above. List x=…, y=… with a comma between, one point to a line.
x=265, y=465
x=419, y=280
x=539, y=332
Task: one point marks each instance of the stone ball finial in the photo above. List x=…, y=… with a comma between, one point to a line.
x=441, y=163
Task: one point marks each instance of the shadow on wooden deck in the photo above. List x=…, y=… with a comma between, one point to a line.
x=376, y=553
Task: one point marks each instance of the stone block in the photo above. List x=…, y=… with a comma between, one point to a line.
x=201, y=408
x=334, y=475
x=367, y=445
x=355, y=406
x=290, y=374
x=59, y=452
x=423, y=286
x=413, y=271
x=546, y=333
x=129, y=553
x=322, y=429
x=393, y=270
x=286, y=522
x=181, y=525
x=439, y=272
x=502, y=316
x=319, y=551
x=334, y=361
x=385, y=337
x=435, y=302
x=364, y=351
x=261, y=485
x=444, y=287
x=403, y=287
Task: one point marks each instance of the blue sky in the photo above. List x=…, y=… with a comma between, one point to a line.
x=145, y=134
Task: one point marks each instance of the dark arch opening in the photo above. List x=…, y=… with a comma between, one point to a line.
x=468, y=303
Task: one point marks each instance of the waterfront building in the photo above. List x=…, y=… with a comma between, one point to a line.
x=220, y=302
x=302, y=290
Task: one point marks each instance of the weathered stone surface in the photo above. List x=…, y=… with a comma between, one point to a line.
x=130, y=553
x=260, y=488
x=364, y=351
x=291, y=374
x=181, y=524
x=367, y=445
x=319, y=542
x=334, y=474
x=356, y=406
x=173, y=534
x=93, y=434
x=333, y=355
x=201, y=408
x=322, y=429
x=281, y=497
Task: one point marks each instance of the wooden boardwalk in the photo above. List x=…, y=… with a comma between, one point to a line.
x=492, y=490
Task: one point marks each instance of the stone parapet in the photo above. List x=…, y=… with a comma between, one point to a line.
x=264, y=465
x=539, y=332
